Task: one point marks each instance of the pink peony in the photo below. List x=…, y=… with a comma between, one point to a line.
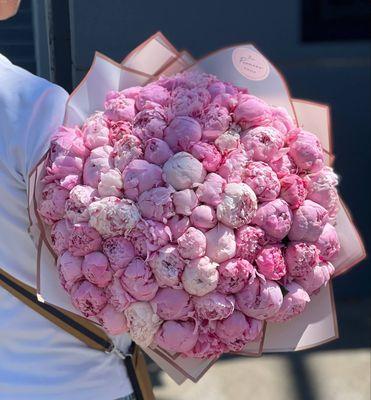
x=251, y=111
x=227, y=141
x=306, y=151
x=112, y=321
x=275, y=218
x=167, y=266
x=118, y=107
x=149, y=236
x=60, y=234
x=208, y=346
x=189, y=102
x=96, y=131
x=110, y=184
x=83, y=240
x=77, y=205
x=119, y=252
x=301, y=258
x=215, y=121
x=178, y=225
x=185, y=201
x=203, y=217
x=210, y=191
x=112, y=216
x=99, y=161
x=176, y=336
x=233, y=275
x=53, y=201
x=208, y=155
x=233, y=165
x=220, y=243
x=259, y=299
x=328, y=243
x=143, y=323
x=200, y=276
x=152, y=96
x=322, y=190
x=157, y=151
x=117, y=296
x=140, y=176
x=192, y=244
x=293, y=190
x=249, y=240
x=317, y=277
x=183, y=171
x=138, y=280
x=213, y=306
x=238, y=205
x=271, y=263
x=125, y=150
x=283, y=166
x=281, y=120
x=68, y=142
x=88, y=298
x=294, y=303
x=150, y=123
x=96, y=269
x=119, y=129
x=182, y=133
x=156, y=204
x=262, y=180
x=70, y=271
x=237, y=330
x=308, y=222
x=263, y=143
x=172, y=304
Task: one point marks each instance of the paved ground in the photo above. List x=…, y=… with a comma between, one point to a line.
x=338, y=371
x=331, y=375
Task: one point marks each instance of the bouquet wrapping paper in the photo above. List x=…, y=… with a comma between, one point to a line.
x=243, y=66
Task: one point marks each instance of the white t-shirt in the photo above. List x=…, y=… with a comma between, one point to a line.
x=38, y=360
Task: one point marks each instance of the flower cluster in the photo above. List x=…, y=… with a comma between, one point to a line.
x=189, y=212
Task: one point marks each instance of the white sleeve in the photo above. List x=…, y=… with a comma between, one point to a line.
x=31, y=109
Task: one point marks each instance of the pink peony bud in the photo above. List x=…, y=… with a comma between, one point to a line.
x=200, y=276
x=294, y=303
x=138, y=280
x=172, y=304
x=260, y=300
x=308, y=222
x=192, y=244
x=95, y=268
x=176, y=336
x=305, y=150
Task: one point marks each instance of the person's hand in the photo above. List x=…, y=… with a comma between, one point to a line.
x=8, y=8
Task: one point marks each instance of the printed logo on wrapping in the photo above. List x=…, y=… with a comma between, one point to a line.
x=250, y=64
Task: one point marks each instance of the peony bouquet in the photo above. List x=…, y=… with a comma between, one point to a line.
x=193, y=206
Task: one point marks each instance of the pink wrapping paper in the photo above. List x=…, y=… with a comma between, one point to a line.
x=244, y=66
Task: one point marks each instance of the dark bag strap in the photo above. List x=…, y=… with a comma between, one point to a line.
x=86, y=332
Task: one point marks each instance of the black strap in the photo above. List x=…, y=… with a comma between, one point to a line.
x=129, y=364
x=107, y=345
x=56, y=313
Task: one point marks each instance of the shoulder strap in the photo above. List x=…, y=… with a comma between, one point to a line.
x=86, y=332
